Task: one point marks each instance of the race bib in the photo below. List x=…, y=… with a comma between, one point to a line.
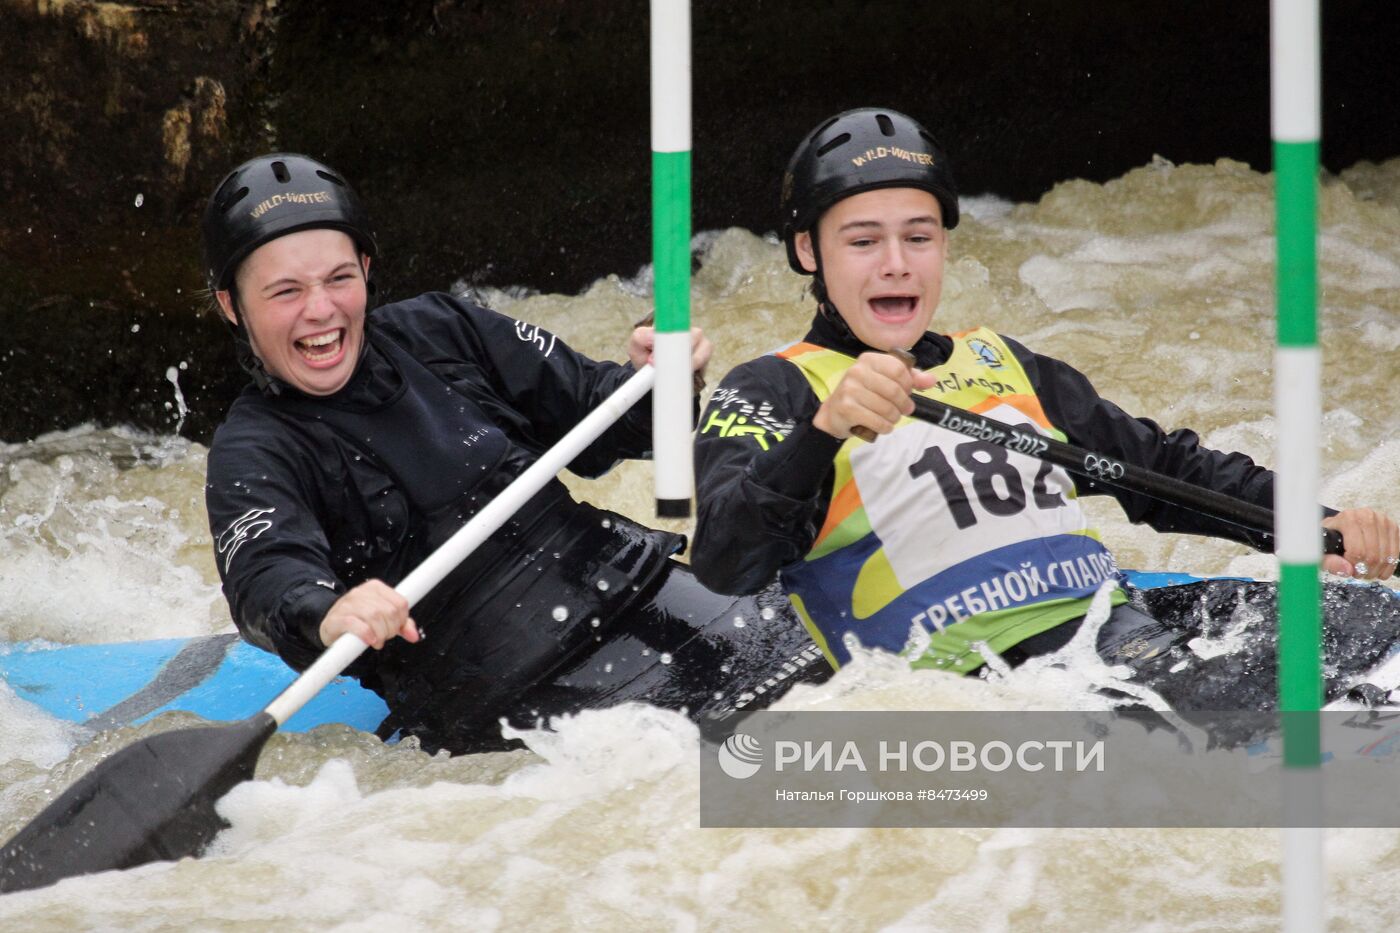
x=936, y=498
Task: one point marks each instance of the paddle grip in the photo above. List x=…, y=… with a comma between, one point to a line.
x=905, y=357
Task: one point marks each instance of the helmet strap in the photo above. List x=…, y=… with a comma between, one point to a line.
x=243, y=346
x=825, y=307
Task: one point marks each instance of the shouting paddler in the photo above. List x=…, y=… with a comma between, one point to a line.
x=368, y=437
x=885, y=527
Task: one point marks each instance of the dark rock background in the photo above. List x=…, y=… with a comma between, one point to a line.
x=507, y=143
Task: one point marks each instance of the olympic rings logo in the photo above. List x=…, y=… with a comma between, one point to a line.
x=1103, y=468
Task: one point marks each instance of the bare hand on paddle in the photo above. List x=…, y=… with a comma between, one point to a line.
x=374, y=612
x=1372, y=544
x=872, y=396
x=643, y=339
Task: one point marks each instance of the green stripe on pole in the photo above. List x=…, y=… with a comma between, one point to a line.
x=670, y=239
x=1295, y=177
x=1302, y=745
x=1300, y=676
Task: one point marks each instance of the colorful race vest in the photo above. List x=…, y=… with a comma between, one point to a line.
x=932, y=536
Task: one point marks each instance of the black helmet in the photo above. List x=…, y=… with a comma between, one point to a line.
x=861, y=150
x=269, y=197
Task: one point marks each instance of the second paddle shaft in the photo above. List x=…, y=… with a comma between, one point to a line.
x=1099, y=469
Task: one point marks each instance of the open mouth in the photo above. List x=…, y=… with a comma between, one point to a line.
x=894, y=307
x=321, y=348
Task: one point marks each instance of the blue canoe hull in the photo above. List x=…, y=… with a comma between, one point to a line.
x=218, y=677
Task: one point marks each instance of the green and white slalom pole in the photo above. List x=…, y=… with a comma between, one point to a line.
x=670, y=249
x=1297, y=378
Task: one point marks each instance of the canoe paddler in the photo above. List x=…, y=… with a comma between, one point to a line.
x=367, y=437
x=882, y=526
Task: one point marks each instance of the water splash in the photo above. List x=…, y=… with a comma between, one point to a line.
x=172, y=376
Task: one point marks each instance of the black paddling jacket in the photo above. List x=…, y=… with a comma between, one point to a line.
x=760, y=509
x=308, y=497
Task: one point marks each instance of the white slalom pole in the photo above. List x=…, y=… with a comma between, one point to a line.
x=1297, y=371
x=670, y=242
x=455, y=549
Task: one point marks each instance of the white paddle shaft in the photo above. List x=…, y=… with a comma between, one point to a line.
x=455, y=549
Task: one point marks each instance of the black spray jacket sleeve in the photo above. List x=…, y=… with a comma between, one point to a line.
x=763, y=485
x=528, y=380
x=1094, y=423
x=265, y=494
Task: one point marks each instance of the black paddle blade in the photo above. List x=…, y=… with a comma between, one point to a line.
x=151, y=801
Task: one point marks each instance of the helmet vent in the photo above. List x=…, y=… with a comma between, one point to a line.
x=886, y=124
x=228, y=203
x=279, y=171
x=832, y=144
x=330, y=178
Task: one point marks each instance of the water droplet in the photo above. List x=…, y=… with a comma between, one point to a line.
x=560, y=613
x=607, y=668
x=603, y=586
x=718, y=695
x=767, y=613
x=725, y=668
x=140, y=199
x=136, y=328
x=665, y=657
x=607, y=523
x=646, y=652
x=595, y=621
x=739, y=622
